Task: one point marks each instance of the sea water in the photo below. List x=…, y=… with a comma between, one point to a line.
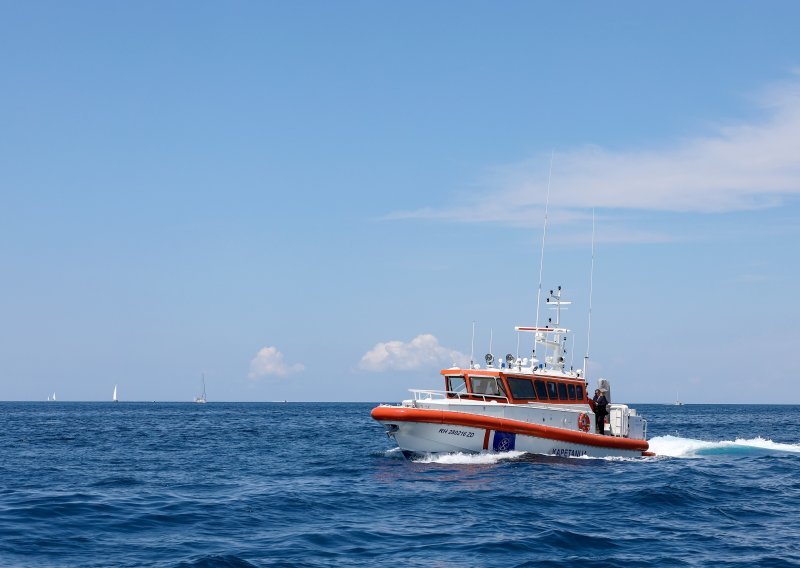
x=302, y=484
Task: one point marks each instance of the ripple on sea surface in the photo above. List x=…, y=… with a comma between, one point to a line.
x=320, y=485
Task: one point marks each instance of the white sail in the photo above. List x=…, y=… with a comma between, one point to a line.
x=114, y=396
x=202, y=398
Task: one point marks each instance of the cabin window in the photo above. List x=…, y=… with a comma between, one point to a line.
x=571, y=390
x=484, y=385
x=562, y=391
x=521, y=388
x=552, y=391
x=541, y=390
x=456, y=385
x=502, y=388
x=579, y=391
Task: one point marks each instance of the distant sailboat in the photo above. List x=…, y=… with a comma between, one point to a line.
x=114, y=396
x=51, y=398
x=677, y=399
x=202, y=398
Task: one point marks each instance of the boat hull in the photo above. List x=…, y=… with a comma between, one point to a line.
x=433, y=431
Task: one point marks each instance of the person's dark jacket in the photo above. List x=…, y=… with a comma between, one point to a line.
x=601, y=405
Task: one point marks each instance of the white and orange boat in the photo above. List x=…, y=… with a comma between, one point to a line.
x=517, y=404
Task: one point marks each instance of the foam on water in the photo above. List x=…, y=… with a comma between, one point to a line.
x=393, y=453
x=487, y=458
x=677, y=447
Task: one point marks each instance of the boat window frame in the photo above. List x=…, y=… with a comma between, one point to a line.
x=562, y=390
x=529, y=381
x=579, y=392
x=472, y=390
x=453, y=393
x=552, y=392
x=501, y=385
x=571, y=391
x=541, y=389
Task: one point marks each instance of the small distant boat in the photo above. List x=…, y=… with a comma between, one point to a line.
x=202, y=398
x=51, y=398
x=677, y=400
x=114, y=396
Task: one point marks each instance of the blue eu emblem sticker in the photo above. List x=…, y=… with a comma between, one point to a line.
x=504, y=441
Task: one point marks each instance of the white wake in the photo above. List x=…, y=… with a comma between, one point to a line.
x=469, y=459
x=676, y=447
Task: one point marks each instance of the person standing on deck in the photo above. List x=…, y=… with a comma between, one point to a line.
x=600, y=411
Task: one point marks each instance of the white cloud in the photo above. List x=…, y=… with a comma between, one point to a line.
x=269, y=361
x=741, y=166
x=422, y=351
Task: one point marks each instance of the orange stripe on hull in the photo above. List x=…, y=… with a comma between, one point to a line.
x=403, y=414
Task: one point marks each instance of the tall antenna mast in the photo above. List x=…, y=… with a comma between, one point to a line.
x=591, y=283
x=472, y=350
x=572, y=353
x=541, y=256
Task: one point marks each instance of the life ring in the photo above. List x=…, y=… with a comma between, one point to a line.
x=584, y=422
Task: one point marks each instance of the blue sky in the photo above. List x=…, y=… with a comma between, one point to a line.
x=314, y=201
